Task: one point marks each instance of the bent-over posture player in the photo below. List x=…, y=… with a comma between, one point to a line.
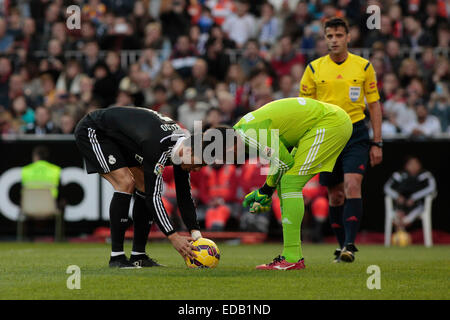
x=130, y=147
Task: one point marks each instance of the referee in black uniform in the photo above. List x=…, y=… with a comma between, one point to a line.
x=129, y=147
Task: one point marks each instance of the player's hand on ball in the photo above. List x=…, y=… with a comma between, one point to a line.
x=258, y=202
x=183, y=245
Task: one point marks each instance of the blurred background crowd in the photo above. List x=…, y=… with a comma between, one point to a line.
x=213, y=60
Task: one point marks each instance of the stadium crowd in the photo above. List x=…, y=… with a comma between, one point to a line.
x=211, y=60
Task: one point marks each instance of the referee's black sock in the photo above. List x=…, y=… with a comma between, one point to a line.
x=142, y=222
x=353, y=210
x=337, y=223
x=118, y=216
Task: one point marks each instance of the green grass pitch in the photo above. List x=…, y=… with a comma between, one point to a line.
x=38, y=271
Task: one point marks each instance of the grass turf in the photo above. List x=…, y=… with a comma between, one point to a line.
x=38, y=271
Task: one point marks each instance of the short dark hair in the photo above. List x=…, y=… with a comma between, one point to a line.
x=41, y=152
x=207, y=137
x=335, y=23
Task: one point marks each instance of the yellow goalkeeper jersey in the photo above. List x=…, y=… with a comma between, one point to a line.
x=345, y=84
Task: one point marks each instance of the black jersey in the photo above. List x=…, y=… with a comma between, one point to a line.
x=108, y=138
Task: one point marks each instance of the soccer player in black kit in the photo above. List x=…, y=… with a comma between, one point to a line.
x=129, y=147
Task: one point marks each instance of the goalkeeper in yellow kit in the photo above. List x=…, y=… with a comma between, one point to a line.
x=300, y=137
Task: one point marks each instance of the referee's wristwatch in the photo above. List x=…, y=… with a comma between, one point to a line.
x=379, y=144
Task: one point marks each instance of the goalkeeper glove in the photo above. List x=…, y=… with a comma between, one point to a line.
x=259, y=200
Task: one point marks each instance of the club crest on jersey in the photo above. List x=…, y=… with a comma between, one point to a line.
x=111, y=159
x=354, y=93
x=159, y=168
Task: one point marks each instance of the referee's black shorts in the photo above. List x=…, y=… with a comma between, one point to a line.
x=101, y=154
x=353, y=159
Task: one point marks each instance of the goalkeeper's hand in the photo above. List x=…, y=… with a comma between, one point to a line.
x=257, y=201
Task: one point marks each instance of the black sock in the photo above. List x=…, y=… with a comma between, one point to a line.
x=353, y=210
x=337, y=223
x=142, y=222
x=118, y=216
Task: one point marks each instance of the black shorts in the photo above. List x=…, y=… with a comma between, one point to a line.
x=102, y=154
x=353, y=159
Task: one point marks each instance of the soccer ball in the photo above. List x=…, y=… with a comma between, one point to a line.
x=208, y=254
x=401, y=238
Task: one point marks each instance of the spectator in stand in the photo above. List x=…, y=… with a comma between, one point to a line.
x=201, y=81
x=112, y=60
x=153, y=39
x=269, y=27
x=205, y=21
x=227, y=106
x=124, y=98
x=67, y=123
x=409, y=188
x=43, y=123
x=121, y=37
x=443, y=35
x=192, y=110
x=160, y=103
x=395, y=13
x=285, y=57
x=217, y=32
x=28, y=35
x=69, y=80
x=213, y=118
x=441, y=73
x=150, y=62
x=175, y=21
x=236, y=84
x=427, y=65
x=177, y=89
x=425, y=126
x=295, y=23
x=59, y=32
x=390, y=85
x=140, y=18
x=198, y=39
x=393, y=55
x=241, y=25
x=88, y=33
x=91, y=52
x=86, y=92
x=430, y=20
x=287, y=88
x=52, y=15
x=439, y=106
x=144, y=96
x=218, y=61
x=166, y=74
x=409, y=69
x=183, y=57
x=384, y=34
x=415, y=36
x=23, y=114
x=251, y=57
x=15, y=89
x=6, y=40
x=297, y=71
